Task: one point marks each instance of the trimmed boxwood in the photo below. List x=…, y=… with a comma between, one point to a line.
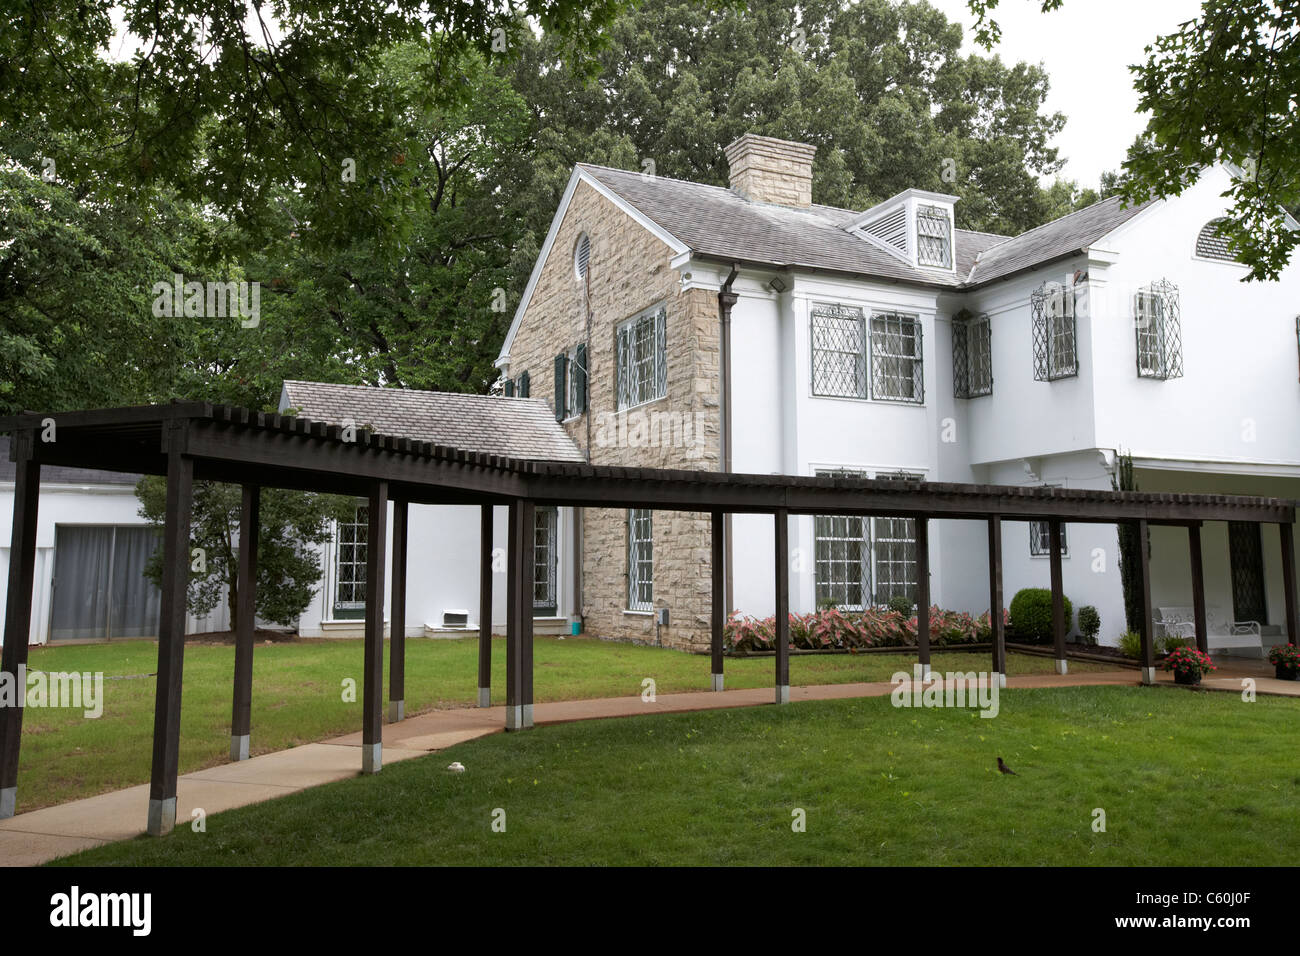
x=1031, y=615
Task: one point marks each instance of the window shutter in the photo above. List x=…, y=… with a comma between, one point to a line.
x=580, y=379
x=510, y=388
x=561, y=361
x=523, y=385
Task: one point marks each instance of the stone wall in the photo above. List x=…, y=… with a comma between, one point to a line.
x=629, y=272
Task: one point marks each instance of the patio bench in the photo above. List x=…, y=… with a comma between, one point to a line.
x=1222, y=634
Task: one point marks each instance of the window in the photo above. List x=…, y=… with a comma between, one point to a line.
x=1040, y=539
x=893, y=551
x=517, y=386
x=640, y=559
x=642, y=362
x=581, y=257
x=841, y=546
x=577, y=403
x=933, y=237
x=972, y=355
x=896, y=370
x=839, y=353
x=1211, y=244
x=1159, y=339
x=1052, y=308
x=350, y=565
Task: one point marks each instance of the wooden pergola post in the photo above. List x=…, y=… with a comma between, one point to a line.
x=923, y=595
x=18, y=611
x=397, y=617
x=241, y=717
x=1198, y=587
x=782, y=556
x=997, y=629
x=519, y=618
x=485, y=607
x=1146, y=631
x=372, y=702
x=171, y=631
x=1288, y=580
x=718, y=607
x=1059, y=624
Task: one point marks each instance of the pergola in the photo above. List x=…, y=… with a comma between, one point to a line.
x=186, y=441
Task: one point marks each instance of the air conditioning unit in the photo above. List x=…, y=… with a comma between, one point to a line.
x=455, y=618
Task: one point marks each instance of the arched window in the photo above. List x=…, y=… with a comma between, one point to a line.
x=1210, y=244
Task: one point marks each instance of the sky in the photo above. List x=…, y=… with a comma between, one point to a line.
x=1086, y=47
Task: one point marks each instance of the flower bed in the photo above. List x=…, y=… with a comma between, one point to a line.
x=833, y=629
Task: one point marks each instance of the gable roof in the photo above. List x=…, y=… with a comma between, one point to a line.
x=512, y=427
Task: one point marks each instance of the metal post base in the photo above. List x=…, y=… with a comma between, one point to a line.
x=515, y=718
x=925, y=672
x=239, y=747
x=162, y=816
x=396, y=710
x=1148, y=675
x=372, y=758
x=485, y=696
x=1001, y=679
x=783, y=693
x=527, y=716
x=1062, y=667
x=717, y=682
x=8, y=802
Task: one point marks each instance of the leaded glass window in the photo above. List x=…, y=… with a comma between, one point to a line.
x=640, y=559
x=896, y=368
x=1040, y=539
x=839, y=353
x=642, y=359
x=972, y=356
x=1054, y=331
x=893, y=551
x=933, y=237
x=350, y=563
x=842, y=546
x=1159, y=338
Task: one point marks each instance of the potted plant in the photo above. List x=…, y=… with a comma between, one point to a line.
x=1285, y=659
x=1188, y=664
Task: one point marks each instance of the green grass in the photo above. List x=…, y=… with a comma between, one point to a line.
x=1183, y=777
x=297, y=696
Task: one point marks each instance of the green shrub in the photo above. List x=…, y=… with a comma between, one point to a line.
x=1166, y=644
x=1089, y=623
x=1031, y=615
x=901, y=604
x=1130, y=644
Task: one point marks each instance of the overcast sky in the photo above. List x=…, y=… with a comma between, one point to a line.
x=1086, y=47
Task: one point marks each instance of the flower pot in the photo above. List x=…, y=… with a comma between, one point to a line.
x=1187, y=677
x=1283, y=672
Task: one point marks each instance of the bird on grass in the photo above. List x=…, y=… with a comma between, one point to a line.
x=456, y=767
x=1003, y=768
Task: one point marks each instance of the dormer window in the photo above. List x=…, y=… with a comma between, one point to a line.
x=933, y=237
x=1212, y=244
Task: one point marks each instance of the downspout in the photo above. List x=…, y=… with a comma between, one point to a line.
x=726, y=299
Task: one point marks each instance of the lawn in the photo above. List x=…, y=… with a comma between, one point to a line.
x=1183, y=778
x=297, y=696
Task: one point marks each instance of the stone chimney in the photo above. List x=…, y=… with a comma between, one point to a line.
x=771, y=170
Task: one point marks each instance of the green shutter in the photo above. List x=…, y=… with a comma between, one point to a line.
x=561, y=362
x=523, y=385
x=510, y=388
x=580, y=379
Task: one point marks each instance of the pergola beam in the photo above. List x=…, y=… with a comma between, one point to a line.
x=718, y=607
x=781, y=554
x=397, y=618
x=1059, y=624
x=372, y=697
x=997, y=627
x=923, y=595
x=1147, y=630
x=1288, y=580
x=1198, y=588
x=485, y=607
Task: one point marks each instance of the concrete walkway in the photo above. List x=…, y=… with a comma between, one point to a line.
x=32, y=838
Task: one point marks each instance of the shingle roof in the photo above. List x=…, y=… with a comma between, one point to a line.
x=61, y=475
x=1060, y=237
x=513, y=427
x=714, y=221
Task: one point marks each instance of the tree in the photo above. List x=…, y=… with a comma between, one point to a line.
x=292, y=526
x=1221, y=89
